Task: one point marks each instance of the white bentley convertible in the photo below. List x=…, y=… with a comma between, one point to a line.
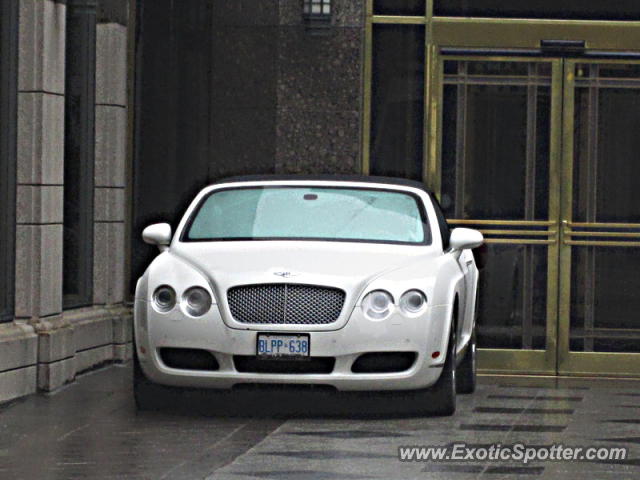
x=351, y=282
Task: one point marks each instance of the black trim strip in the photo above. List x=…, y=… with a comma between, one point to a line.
x=36, y=224
x=517, y=52
x=18, y=368
x=111, y=105
x=9, y=11
x=79, y=156
x=44, y=92
x=56, y=361
x=94, y=347
x=325, y=178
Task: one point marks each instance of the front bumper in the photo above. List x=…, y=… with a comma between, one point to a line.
x=423, y=335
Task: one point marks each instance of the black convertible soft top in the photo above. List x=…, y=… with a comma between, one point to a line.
x=327, y=177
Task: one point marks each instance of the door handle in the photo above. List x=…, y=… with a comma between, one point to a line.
x=564, y=232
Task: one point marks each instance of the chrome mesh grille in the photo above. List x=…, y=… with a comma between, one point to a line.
x=286, y=304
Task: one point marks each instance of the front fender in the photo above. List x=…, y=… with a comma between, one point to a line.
x=449, y=282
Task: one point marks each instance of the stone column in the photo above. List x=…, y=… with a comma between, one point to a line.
x=40, y=178
x=110, y=182
x=18, y=342
x=319, y=91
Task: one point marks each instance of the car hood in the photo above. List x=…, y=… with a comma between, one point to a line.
x=347, y=265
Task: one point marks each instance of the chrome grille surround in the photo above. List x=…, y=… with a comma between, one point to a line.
x=285, y=304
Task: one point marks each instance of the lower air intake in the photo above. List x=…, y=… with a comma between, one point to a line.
x=384, y=362
x=254, y=364
x=188, y=359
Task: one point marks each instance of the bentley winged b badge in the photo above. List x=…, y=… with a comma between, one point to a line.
x=285, y=274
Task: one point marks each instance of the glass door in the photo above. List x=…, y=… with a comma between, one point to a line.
x=499, y=128
x=543, y=156
x=540, y=150
x=600, y=247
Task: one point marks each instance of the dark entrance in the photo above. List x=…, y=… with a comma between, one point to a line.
x=194, y=119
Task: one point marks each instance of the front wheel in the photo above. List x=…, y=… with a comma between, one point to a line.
x=443, y=393
x=466, y=374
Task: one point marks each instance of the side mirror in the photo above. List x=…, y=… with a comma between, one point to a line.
x=158, y=234
x=465, y=238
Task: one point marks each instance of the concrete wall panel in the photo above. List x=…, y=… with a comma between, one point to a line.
x=42, y=46
x=110, y=153
x=40, y=138
x=111, y=64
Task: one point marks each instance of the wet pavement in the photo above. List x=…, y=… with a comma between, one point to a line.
x=91, y=430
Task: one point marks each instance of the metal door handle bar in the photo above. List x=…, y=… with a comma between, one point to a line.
x=569, y=234
x=511, y=231
x=600, y=225
x=511, y=223
x=522, y=233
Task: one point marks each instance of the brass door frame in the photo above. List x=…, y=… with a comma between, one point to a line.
x=488, y=33
x=591, y=234
x=508, y=34
x=515, y=33
x=511, y=33
x=544, y=232
x=367, y=74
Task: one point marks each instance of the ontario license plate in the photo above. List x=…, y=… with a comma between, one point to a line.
x=278, y=346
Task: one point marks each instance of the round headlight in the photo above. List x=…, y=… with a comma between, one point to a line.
x=413, y=302
x=377, y=305
x=196, y=301
x=164, y=298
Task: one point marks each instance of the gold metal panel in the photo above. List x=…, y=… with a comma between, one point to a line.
x=571, y=233
x=429, y=112
x=527, y=33
x=554, y=213
x=600, y=364
x=406, y=20
x=509, y=223
x=434, y=147
x=585, y=363
x=520, y=233
x=366, y=90
x=601, y=243
x=566, y=213
x=513, y=241
x=529, y=362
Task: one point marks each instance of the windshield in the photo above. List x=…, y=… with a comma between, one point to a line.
x=309, y=213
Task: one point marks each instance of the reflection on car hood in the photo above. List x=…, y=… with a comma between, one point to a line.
x=347, y=265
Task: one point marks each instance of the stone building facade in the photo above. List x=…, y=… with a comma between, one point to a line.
x=234, y=86
x=516, y=114
x=44, y=345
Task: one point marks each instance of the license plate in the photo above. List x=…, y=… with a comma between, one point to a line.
x=278, y=346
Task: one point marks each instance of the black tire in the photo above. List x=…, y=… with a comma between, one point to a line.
x=148, y=395
x=466, y=371
x=442, y=395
